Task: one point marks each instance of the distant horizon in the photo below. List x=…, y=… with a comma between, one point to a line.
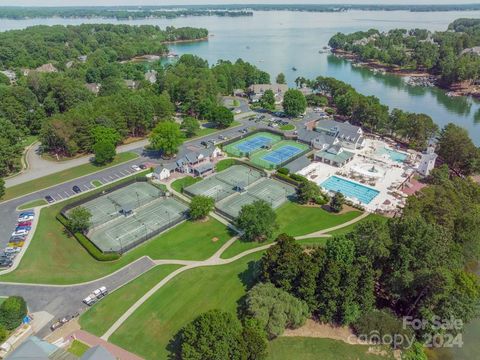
x=90, y=3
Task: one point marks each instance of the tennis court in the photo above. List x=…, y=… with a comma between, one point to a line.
x=280, y=154
x=123, y=232
x=107, y=207
x=225, y=183
x=252, y=143
x=272, y=191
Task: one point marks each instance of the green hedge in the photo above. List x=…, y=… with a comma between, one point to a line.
x=12, y=312
x=87, y=244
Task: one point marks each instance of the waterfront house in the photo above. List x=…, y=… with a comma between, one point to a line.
x=256, y=91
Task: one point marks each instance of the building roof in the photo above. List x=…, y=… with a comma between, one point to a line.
x=261, y=88
x=94, y=88
x=298, y=164
x=132, y=84
x=474, y=50
x=46, y=68
x=342, y=130
x=338, y=158
x=201, y=169
x=151, y=76
x=97, y=353
x=160, y=168
x=33, y=349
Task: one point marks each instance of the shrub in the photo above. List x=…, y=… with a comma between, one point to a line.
x=283, y=171
x=12, y=312
x=337, y=202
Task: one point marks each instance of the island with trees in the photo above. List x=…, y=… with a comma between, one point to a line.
x=449, y=59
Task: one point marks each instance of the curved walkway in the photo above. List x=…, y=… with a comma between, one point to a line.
x=214, y=260
x=324, y=233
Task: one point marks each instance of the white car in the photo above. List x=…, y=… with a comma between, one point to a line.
x=136, y=168
x=25, y=218
x=20, y=232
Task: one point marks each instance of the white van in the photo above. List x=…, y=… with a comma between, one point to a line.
x=90, y=300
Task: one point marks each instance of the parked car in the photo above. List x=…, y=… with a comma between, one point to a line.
x=76, y=189
x=6, y=263
x=142, y=166
x=27, y=213
x=20, y=232
x=135, y=168
x=12, y=250
x=222, y=137
x=49, y=199
x=18, y=228
x=25, y=223
x=16, y=244
x=204, y=143
x=18, y=238
x=96, y=295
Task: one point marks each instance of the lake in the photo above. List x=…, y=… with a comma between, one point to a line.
x=278, y=41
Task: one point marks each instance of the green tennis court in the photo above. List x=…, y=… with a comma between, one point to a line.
x=251, y=144
x=279, y=154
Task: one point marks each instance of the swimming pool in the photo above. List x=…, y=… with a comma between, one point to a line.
x=350, y=189
x=393, y=154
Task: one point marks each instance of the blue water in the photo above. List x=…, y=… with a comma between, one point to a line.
x=250, y=145
x=282, y=154
x=393, y=154
x=350, y=189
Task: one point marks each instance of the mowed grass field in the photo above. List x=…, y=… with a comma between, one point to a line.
x=180, y=301
x=179, y=184
x=304, y=348
x=295, y=220
x=103, y=314
x=54, y=257
x=62, y=176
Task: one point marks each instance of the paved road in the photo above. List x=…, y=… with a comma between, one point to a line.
x=61, y=301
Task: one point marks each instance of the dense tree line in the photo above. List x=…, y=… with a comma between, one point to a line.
x=368, y=112
x=441, y=52
x=119, y=13
x=38, y=45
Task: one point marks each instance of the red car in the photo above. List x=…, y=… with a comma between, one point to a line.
x=25, y=223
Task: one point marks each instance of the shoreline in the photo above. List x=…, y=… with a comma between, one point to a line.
x=417, y=77
x=185, y=41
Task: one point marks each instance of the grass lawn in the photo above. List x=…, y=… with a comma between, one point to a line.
x=62, y=176
x=180, y=184
x=304, y=348
x=350, y=228
x=97, y=183
x=78, y=348
x=224, y=164
x=32, y=204
x=287, y=127
x=98, y=319
x=55, y=258
x=320, y=242
x=180, y=301
x=295, y=220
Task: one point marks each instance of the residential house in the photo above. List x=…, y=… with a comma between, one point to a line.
x=10, y=75
x=94, y=88
x=151, y=76
x=256, y=91
x=474, y=51
x=334, y=155
x=82, y=58
x=239, y=92
x=46, y=68
x=132, y=84
x=427, y=161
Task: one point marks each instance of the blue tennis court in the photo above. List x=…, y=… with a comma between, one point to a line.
x=282, y=154
x=255, y=143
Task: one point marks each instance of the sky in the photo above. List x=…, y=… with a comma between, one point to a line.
x=187, y=2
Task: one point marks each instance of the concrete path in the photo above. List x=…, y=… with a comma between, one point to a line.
x=214, y=260
x=324, y=233
x=37, y=166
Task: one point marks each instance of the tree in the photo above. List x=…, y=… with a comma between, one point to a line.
x=275, y=309
x=107, y=134
x=201, y=206
x=79, y=220
x=457, y=149
x=336, y=204
x=309, y=192
x=255, y=339
x=257, y=220
x=267, y=101
x=166, y=137
x=222, y=117
x=12, y=312
x=2, y=188
x=190, y=125
x=281, y=79
x=104, y=152
x=294, y=102
x=212, y=335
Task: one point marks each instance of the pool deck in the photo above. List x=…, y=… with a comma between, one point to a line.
x=393, y=174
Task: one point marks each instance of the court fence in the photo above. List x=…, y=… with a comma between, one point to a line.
x=90, y=246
